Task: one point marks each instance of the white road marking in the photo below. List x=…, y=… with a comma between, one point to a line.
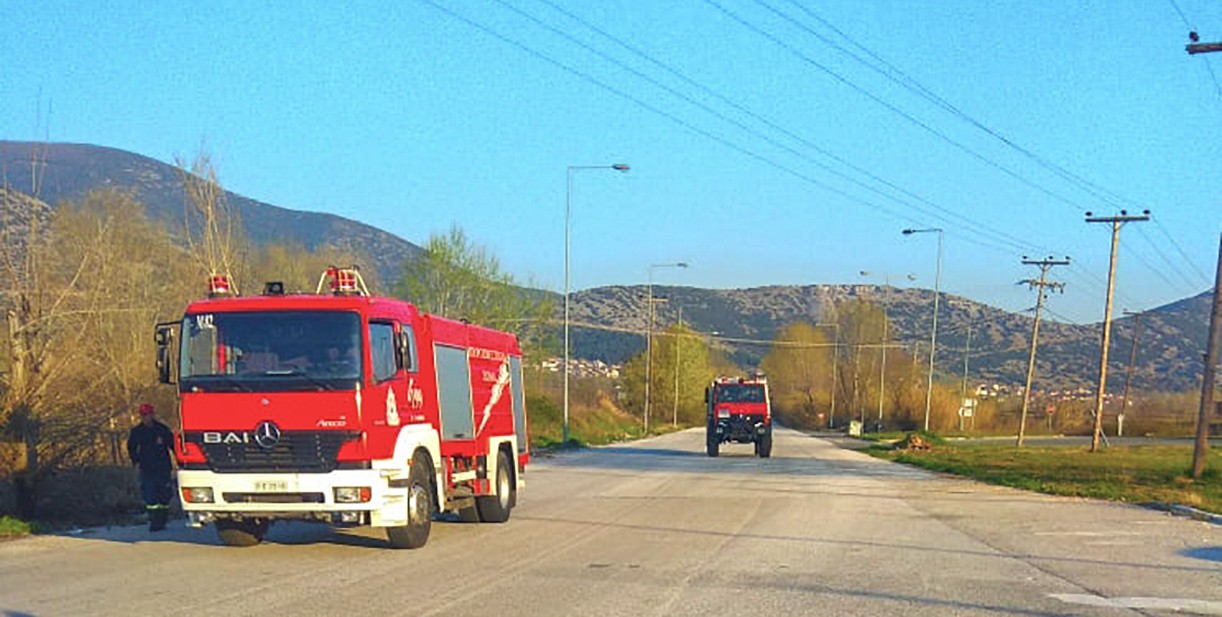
x=1184, y=605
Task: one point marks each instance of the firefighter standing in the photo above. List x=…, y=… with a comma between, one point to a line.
x=149, y=446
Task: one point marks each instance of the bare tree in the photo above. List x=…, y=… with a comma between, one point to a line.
x=212, y=230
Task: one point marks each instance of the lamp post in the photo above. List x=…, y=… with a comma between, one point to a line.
x=933, y=336
x=568, y=215
x=649, y=336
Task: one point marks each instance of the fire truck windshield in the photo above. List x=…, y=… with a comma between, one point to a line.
x=740, y=394
x=271, y=351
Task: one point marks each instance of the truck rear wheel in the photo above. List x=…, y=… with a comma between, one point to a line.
x=419, y=508
x=241, y=532
x=495, y=508
x=763, y=447
x=711, y=443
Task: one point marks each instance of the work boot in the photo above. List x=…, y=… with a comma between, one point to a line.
x=157, y=519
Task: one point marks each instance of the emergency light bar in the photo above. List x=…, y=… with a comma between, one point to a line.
x=343, y=281
x=218, y=285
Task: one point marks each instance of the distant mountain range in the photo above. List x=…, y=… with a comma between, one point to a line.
x=1171, y=339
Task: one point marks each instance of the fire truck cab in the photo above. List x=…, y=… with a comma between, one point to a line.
x=739, y=411
x=341, y=408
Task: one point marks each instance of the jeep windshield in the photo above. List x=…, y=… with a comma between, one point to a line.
x=270, y=351
x=740, y=394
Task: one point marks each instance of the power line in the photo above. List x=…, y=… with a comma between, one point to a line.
x=1175, y=244
x=920, y=90
x=1176, y=6
x=680, y=121
x=1107, y=196
x=1003, y=237
x=1179, y=271
x=864, y=92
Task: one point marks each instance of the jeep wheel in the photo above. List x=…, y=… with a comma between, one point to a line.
x=712, y=445
x=763, y=447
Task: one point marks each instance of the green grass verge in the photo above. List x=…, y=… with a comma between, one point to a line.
x=586, y=426
x=11, y=527
x=1136, y=474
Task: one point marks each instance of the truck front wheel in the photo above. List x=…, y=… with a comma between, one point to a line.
x=712, y=443
x=419, y=508
x=495, y=508
x=241, y=532
x=763, y=447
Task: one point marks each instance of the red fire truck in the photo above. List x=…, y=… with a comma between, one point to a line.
x=341, y=408
x=739, y=411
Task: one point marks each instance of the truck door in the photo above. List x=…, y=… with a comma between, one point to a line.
x=386, y=391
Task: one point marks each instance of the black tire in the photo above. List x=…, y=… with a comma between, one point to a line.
x=763, y=447
x=496, y=508
x=419, y=507
x=241, y=533
x=711, y=443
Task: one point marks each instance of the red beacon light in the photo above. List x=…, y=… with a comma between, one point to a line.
x=343, y=281
x=218, y=285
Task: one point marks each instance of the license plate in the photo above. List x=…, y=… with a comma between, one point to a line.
x=271, y=486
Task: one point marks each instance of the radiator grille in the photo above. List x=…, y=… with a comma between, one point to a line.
x=295, y=452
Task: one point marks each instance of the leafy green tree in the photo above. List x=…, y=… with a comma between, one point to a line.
x=459, y=279
x=678, y=353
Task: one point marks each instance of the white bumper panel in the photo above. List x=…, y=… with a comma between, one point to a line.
x=296, y=495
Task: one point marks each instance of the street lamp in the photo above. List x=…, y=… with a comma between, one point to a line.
x=933, y=337
x=649, y=336
x=568, y=215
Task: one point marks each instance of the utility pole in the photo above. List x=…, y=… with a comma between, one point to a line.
x=967, y=352
x=1211, y=374
x=652, y=300
x=1044, y=266
x=678, y=344
x=1128, y=377
x=1116, y=222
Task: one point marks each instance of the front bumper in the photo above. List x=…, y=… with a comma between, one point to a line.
x=306, y=496
x=739, y=428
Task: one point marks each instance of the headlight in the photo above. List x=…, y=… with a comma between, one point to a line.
x=723, y=413
x=197, y=494
x=352, y=494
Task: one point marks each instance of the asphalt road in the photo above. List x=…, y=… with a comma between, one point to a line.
x=656, y=528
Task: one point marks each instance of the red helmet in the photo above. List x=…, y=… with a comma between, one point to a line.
x=146, y=409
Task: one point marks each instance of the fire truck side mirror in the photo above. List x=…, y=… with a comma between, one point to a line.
x=165, y=337
x=706, y=395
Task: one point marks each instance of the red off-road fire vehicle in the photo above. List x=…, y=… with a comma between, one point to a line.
x=739, y=411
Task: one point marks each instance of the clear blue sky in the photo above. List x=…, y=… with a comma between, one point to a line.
x=762, y=152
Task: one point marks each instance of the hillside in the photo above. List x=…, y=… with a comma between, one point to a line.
x=1170, y=338
x=1168, y=358
x=71, y=170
